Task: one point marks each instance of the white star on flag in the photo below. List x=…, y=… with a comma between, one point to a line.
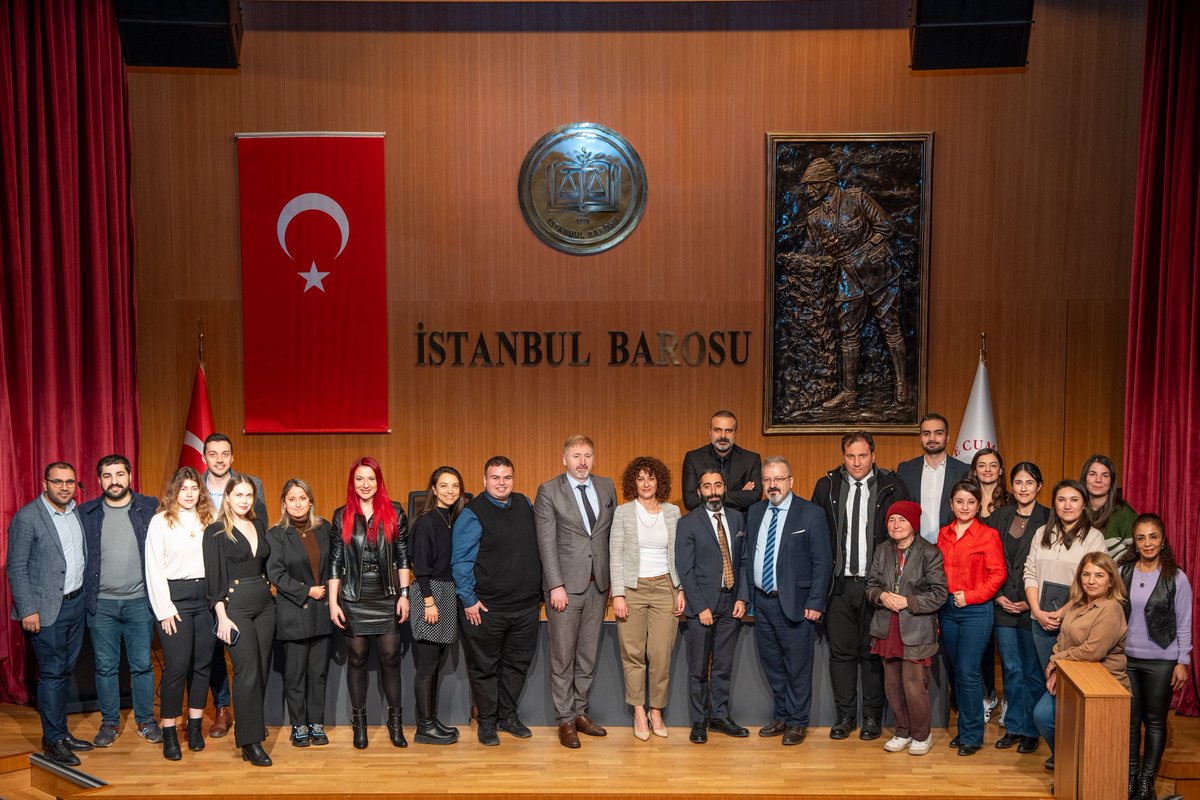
x=313, y=277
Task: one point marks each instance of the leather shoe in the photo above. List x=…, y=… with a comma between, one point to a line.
x=841, y=729
x=1008, y=740
x=776, y=728
x=1049, y=763
x=221, y=723
x=60, y=752
x=255, y=754
x=584, y=724
x=870, y=729
x=794, y=735
x=968, y=749
x=1029, y=744
x=955, y=742
x=699, y=733
x=515, y=727
x=78, y=745
x=568, y=736
x=728, y=727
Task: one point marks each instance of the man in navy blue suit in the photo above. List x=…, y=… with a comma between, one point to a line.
x=787, y=571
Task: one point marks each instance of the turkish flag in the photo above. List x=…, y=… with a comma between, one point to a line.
x=314, y=295
x=199, y=425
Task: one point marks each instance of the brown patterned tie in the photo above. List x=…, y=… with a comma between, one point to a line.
x=726, y=561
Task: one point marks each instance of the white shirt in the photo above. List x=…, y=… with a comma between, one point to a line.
x=864, y=504
x=172, y=553
x=70, y=536
x=760, y=544
x=933, y=481
x=592, y=500
x=652, y=543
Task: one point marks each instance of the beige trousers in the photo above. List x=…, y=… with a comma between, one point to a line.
x=647, y=638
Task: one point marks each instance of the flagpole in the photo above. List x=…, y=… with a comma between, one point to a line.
x=982, y=347
x=200, y=329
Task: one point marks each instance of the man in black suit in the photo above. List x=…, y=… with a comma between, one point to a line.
x=708, y=556
x=930, y=477
x=740, y=469
x=855, y=498
x=787, y=570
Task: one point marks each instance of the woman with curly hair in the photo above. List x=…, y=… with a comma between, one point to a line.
x=645, y=587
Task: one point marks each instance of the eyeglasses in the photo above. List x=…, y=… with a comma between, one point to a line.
x=59, y=482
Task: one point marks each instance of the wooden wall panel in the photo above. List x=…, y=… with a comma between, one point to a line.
x=1033, y=175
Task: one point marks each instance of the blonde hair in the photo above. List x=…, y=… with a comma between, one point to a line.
x=168, y=504
x=228, y=515
x=285, y=519
x=1116, y=586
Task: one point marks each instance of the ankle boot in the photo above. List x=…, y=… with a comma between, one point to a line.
x=395, y=726
x=171, y=750
x=255, y=754
x=1145, y=787
x=446, y=730
x=429, y=730
x=358, y=721
x=195, y=735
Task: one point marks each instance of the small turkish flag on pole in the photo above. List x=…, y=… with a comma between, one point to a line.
x=199, y=425
x=978, y=428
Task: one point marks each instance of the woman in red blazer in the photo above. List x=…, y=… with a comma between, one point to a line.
x=974, y=562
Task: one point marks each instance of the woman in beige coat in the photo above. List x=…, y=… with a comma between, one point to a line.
x=645, y=587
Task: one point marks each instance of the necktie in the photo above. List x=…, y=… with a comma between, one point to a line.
x=587, y=508
x=726, y=559
x=852, y=567
x=768, y=573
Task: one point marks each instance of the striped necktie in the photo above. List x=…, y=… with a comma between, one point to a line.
x=768, y=573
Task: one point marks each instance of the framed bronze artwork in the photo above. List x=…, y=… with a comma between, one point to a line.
x=847, y=281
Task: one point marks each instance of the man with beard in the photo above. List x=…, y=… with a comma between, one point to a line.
x=930, y=477
x=740, y=469
x=574, y=512
x=46, y=562
x=114, y=590
x=218, y=459
x=788, y=568
x=708, y=557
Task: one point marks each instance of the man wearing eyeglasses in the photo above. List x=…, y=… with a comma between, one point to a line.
x=46, y=560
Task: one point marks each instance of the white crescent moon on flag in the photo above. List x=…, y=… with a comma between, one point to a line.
x=312, y=201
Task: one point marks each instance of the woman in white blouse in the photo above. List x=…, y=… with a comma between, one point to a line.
x=645, y=587
x=175, y=584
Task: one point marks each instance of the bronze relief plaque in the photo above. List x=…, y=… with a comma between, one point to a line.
x=582, y=188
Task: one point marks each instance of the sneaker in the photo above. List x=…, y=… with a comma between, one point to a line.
x=897, y=743
x=989, y=703
x=921, y=748
x=300, y=736
x=150, y=732
x=1003, y=713
x=486, y=731
x=316, y=732
x=107, y=734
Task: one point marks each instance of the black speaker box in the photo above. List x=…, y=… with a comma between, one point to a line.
x=970, y=34
x=180, y=33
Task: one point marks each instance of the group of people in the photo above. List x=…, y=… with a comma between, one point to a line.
x=937, y=557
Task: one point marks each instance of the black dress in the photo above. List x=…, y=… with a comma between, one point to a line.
x=368, y=571
x=430, y=547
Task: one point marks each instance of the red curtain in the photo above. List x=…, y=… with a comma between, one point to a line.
x=1162, y=396
x=68, y=367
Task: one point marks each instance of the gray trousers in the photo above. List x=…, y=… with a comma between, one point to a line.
x=574, y=640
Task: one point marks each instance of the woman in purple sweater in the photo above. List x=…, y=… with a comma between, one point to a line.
x=1158, y=647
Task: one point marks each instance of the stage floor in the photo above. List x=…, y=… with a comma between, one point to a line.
x=617, y=766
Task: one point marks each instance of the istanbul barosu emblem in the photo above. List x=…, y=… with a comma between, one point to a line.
x=582, y=188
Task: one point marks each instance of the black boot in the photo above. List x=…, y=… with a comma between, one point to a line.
x=255, y=754
x=195, y=735
x=446, y=730
x=428, y=729
x=171, y=750
x=358, y=721
x=395, y=726
x=1145, y=787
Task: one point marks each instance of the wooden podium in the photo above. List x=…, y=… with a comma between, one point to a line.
x=1091, y=734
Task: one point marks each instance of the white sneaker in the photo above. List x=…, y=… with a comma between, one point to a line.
x=921, y=748
x=1003, y=713
x=897, y=743
x=989, y=703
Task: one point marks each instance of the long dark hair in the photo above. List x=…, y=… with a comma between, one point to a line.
x=1000, y=495
x=1054, y=527
x=1099, y=517
x=1166, y=556
x=431, y=501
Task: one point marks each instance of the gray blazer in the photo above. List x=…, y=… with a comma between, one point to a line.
x=570, y=557
x=37, y=566
x=923, y=583
x=624, y=546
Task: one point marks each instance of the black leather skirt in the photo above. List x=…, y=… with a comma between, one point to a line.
x=373, y=613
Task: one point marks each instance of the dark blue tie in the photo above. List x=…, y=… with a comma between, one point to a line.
x=768, y=573
x=587, y=508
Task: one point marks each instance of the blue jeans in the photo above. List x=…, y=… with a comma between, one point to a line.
x=1043, y=716
x=1023, y=683
x=57, y=649
x=965, y=635
x=131, y=621
x=1043, y=643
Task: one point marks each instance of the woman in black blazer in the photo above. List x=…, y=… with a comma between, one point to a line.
x=1023, y=683
x=299, y=567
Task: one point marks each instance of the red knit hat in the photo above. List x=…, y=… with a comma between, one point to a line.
x=909, y=510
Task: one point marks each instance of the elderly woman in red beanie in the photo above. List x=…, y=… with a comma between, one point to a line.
x=908, y=584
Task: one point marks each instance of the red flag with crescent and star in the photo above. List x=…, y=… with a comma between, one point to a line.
x=314, y=294
x=199, y=425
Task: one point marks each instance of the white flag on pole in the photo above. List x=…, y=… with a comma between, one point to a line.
x=978, y=428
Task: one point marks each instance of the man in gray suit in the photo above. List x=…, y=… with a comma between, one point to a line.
x=46, y=564
x=574, y=512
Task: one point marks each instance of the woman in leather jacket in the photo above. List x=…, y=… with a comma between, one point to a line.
x=368, y=591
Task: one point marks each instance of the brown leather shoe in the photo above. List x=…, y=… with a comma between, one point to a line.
x=776, y=728
x=584, y=724
x=567, y=735
x=221, y=723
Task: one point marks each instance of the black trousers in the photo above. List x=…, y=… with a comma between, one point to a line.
x=187, y=653
x=710, y=651
x=848, y=626
x=252, y=609
x=305, y=669
x=428, y=658
x=1150, y=680
x=499, y=651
